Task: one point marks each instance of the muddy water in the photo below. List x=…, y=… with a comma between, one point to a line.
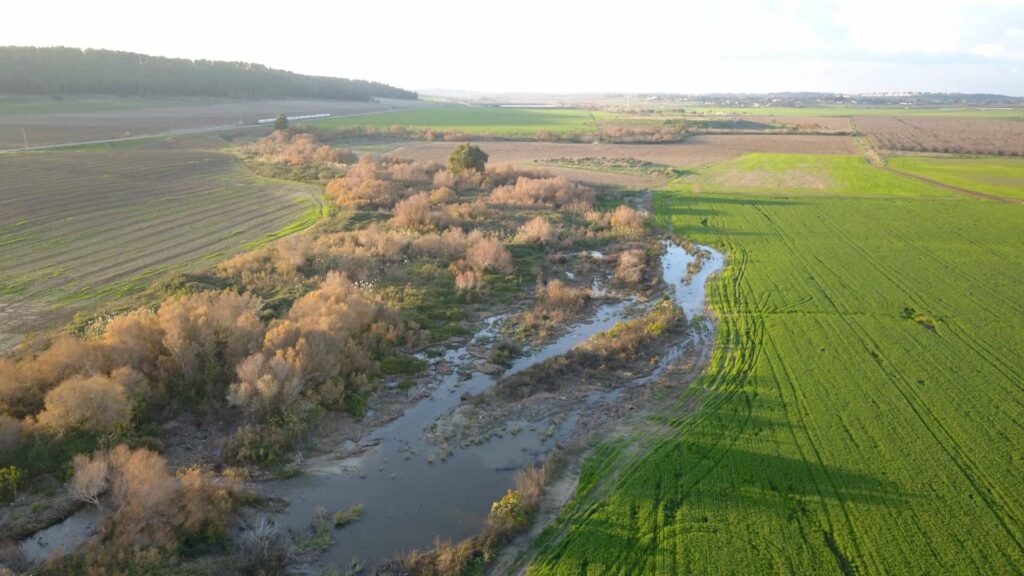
x=412, y=496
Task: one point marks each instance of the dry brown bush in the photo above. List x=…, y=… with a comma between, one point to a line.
x=136, y=340
x=626, y=218
x=488, y=253
x=416, y=212
x=264, y=385
x=327, y=341
x=151, y=512
x=443, y=195
x=538, y=230
x=557, y=192
x=206, y=335
x=90, y=479
x=560, y=299
x=95, y=403
x=631, y=267
x=377, y=182
x=287, y=147
x=269, y=267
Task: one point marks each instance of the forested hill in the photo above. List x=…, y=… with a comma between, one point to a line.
x=71, y=71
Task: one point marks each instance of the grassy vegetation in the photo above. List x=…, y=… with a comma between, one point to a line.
x=999, y=176
x=862, y=410
x=789, y=174
x=477, y=120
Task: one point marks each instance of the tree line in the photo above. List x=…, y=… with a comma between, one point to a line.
x=59, y=71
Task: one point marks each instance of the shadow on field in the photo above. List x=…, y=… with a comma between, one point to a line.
x=739, y=461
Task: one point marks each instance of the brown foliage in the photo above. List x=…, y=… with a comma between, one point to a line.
x=416, y=212
x=208, y=333
x=289, y=147
x=538, y=230
x=488, y=253
x=557, y=192
x=151, y=510
x=380, y=182
x=632, y=266
x=95, y=403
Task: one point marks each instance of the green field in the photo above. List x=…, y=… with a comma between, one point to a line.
x=863, y=412
x=999, y=176
x=478, y=120
x=790, y=174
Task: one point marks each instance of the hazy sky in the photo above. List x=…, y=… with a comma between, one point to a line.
x=561, y=46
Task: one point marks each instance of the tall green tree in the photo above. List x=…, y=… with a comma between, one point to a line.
x=281, y=122
x=467, y=157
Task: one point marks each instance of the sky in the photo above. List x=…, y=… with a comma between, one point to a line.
x=558, y=46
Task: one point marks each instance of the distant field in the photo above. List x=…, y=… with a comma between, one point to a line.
x=49, y=121
x=863, y=411
x=950, y=135
x=480, y=120
x=998, y=176
x=849, y=111
x=77, y=228
x=696, y=151
x=789, y=174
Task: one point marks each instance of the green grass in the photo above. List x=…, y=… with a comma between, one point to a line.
x=802, y=174
x=998, y=176
x=477, y=120
x=835, y=431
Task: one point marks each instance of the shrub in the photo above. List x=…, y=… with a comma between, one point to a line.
x=508, y=514
x=537, y=230
x=416, y=212
x=264, y=386
x=466, y=157
x=95, y=404
x=488, y=253
x=562, y=299
x=263, y=549
x=206, y=335
x=631, y=266
x=89, y=480
x=557, y=192
x=626, y=218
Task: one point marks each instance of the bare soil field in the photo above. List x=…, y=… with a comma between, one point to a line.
x=824, y=123
x=43, y=129
x=82, y=227
x=948, y=135
x=697, y=151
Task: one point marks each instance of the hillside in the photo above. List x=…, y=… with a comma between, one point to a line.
x=59, y=71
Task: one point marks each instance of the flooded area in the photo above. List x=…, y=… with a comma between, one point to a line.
x=414, y=491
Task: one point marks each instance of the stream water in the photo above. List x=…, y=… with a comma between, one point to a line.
x=410, y=495
x=411, y=490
